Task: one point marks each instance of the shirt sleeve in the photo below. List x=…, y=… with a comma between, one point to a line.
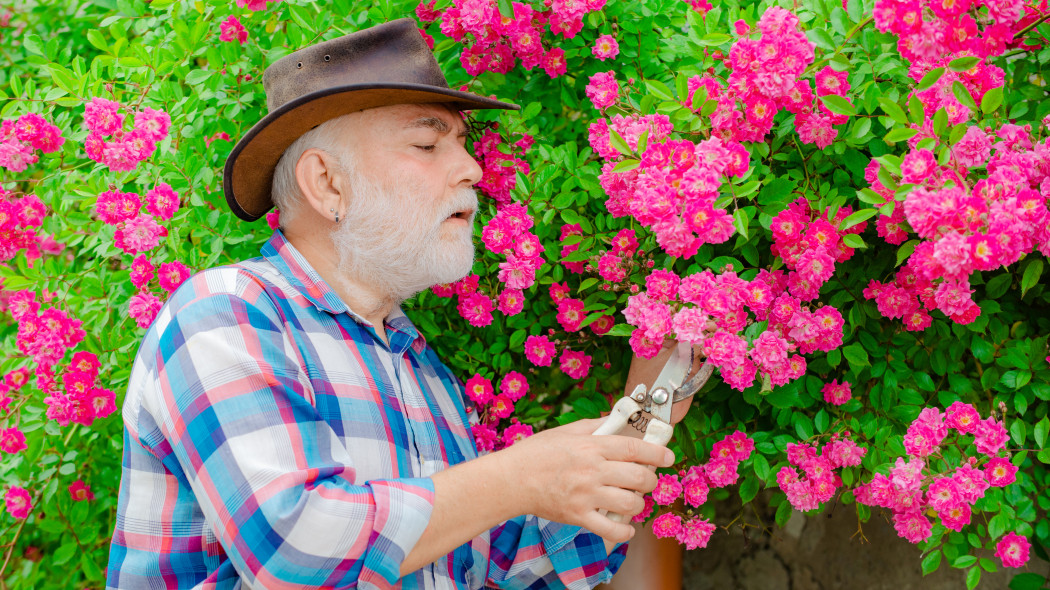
x=533, y=552
x=272, y=478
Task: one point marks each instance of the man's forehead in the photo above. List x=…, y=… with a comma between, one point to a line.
x=433, y=116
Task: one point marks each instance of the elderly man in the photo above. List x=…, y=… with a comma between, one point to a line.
x=286, y=426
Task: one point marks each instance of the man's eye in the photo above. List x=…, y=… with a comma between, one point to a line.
x=426, y=148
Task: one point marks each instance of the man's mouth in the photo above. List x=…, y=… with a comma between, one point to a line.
x=464, y=214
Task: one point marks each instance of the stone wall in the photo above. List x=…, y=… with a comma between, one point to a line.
x=822, y=552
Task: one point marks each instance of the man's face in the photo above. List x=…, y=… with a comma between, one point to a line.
x=409, y=223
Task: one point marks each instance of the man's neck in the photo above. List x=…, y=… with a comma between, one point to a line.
x=362, y=298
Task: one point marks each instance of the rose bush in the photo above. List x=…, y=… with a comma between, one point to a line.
x=842, y=205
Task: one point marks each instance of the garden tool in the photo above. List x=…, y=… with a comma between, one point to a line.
x=649, y=408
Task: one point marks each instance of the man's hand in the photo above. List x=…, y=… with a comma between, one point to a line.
x=567, y=475
x=647, y=370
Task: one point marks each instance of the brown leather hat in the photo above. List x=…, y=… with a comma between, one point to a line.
x=383, y=65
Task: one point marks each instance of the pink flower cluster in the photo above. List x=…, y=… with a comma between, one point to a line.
x=126, y=148
x=12, y=440
x=721, y=307
x=932, y=33
x=765, y=77
x=818, y=480
x=136, y=231
x=12, y=383
x=493, y=407
x=81, y=400
x=836, y=393
x=45, y=335
x=18, y=502
x=144, y=305
x=496, y=42
x=962, y=229
x=19, y=222
x=674, y=188
x=20, y=139
x=811, y=245
x=914, y=487
x=603, y=90
x=606, y=47
x=719, y=471
x=506, y=234
x=231, y=29
x=1013, y=549
x=80, y=491
x=499, y=170
x=542, y=350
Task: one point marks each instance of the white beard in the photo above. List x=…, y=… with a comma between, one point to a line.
x=397, y=242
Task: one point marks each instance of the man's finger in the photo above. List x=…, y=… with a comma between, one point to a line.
x=629, y=476
x=582, y=426
x=617, y=532
x=625, y=448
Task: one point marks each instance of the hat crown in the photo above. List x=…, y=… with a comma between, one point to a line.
x=393, y=52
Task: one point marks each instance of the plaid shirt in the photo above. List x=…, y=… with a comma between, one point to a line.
x=272, y=441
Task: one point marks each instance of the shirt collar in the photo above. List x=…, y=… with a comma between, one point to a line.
x=301, y=275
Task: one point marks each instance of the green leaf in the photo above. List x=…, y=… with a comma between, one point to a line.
x=197, y=76
x=1027, y=581
x=761, y=465
x=712, y=39
x=64, y=553
x=617, y=141
x=740, y=221
x=905, y=251
x=838, y=105
x=991, y=100
x=893, y=110
x=916, y=114
x=973, y=577
x=901, y=134
x=506, y=8
x=854, y=241
x=95, y=38
x=931, y=562
x=857, y=217
x=861, y=128
x=621, y=330
x=1040, y=431
x=748, y=489
x=1032, y=272
x=963, y=63
x=33, y=44
x=659, y=89
x=963, y=95
x=998, y=286
x=1018, y=430
x=626, y=165
x=855, y=355
x=930, y=78
x=964, y=561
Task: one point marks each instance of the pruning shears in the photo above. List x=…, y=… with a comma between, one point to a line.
x=651, y=406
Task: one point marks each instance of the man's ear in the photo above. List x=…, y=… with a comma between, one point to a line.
x=318, y=174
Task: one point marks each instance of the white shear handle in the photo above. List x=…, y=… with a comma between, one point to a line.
x=656, y=432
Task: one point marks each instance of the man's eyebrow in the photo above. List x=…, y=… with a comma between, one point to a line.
x=434, y=123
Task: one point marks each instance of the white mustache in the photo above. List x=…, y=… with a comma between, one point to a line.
x=463, y=200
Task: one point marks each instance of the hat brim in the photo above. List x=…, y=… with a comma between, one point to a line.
x=248, y=175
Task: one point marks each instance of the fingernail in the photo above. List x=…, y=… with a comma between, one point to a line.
x=669, y=457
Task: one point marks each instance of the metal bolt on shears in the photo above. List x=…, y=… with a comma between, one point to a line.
x=652, y=406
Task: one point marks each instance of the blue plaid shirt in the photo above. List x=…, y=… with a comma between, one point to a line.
x=272, y=441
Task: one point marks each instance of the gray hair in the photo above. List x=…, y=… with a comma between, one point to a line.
x=329, y=137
